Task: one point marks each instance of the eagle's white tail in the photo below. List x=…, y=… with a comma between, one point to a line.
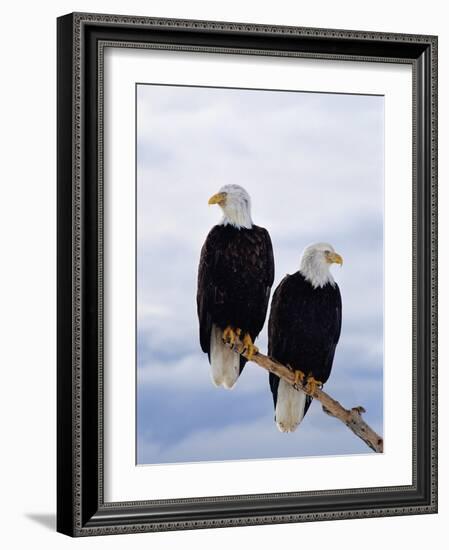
x=289, y=407
x=225, y=363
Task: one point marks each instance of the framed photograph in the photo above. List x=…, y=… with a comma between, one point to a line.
x=247, y=274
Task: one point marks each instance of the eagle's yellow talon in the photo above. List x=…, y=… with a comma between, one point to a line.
x=229, y=335
x=232, y=336
x=312, y=385
x=251, y=349
x=254, y=350
x=299, y=377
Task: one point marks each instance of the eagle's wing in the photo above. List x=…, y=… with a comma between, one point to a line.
x=266, y=271
x=280, y=334
x=339, y=316
x=206, y=289
x=277, y=340
x=333, y=346
x=269, y=261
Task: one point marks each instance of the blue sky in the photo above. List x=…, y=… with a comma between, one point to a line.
x=313, y=165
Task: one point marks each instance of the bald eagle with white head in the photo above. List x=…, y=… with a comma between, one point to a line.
x=303, y=331
x=235, y=275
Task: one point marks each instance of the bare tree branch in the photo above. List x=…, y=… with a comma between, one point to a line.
x=352, y=418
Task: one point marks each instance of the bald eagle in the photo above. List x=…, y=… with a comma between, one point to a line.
x=235, y=275
x=303, y=331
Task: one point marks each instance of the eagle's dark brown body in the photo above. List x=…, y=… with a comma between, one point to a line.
x=236, y=271
x=304, y=328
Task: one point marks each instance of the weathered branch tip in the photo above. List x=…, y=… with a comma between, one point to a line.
x=352, y=418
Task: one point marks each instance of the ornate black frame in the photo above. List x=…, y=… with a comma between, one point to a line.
x=81, y=509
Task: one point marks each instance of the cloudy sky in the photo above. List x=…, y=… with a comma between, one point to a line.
x=313, y=165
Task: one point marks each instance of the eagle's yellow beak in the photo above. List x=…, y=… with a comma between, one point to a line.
x=218, y=198
x=334, y=258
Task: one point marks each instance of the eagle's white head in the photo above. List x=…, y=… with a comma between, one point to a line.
x=316, y=262
x=236, y=205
